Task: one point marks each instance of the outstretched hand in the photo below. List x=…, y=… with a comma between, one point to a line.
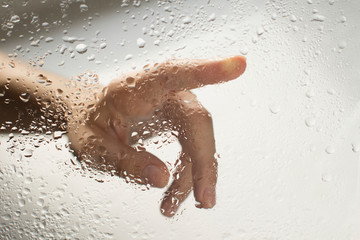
x=100, y=137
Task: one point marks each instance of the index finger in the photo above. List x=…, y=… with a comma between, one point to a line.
x=177, y=75
x=186, y=74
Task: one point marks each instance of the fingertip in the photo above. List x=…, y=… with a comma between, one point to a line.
x=167, y=208
x=209, y=198
x=241, y=60
x=206, y=197
x=234, y=66
x=156, y=176
x=146, y=167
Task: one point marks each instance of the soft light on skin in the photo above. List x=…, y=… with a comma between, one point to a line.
x=233, y=65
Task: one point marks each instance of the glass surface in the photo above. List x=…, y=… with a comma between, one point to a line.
x=287, y=131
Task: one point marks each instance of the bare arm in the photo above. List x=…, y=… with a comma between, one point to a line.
x=27, y=92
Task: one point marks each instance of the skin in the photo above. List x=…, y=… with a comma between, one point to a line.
x=99, y=120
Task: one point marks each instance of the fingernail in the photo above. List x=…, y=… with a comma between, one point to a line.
x=153, y=174
x=209, y=199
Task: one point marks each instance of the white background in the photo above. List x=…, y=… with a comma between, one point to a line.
x=287, y=131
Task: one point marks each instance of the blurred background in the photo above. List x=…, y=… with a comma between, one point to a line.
x=287, y=131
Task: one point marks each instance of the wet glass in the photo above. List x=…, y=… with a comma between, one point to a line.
x=287, y=131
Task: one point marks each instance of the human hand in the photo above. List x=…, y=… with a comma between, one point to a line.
x=99, y=130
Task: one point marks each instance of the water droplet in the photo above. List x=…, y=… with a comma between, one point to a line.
x=83, y=7
x=128, y=57
x=28, y=152
x=274, y=108
x=342, y=19
x=157, y=42
x=25, y=97
x=91, y=57
x=28, y=180
x=49, y=39
x=342, y=44
x=356, y=147
x=24, y=132
x=57, y=134
x=133, y=134
x=140, y=42
x=171, y=33
x=15, y=19
x=2, y=92
x=22, y=202
x=103, y=45
x=41, y=224
x=310, y=122
x=81, y=48
x=62, y=49
x=273, y=16
x=330, y=150
x=244, y=51
x=260, y=31
x=59, y=92
x=318, y=18
x=6, y=217
x=331, y=2
x=187, y=20
x=71, y=39
x=26, y=190
x=35, y=43
x=130, y=81
x=293, y=18
x=212, y=17
x=11, y=135
x=40, y=202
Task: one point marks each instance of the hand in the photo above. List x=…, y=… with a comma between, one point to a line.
x=99, y=129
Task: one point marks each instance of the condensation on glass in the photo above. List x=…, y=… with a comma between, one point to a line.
x=287, y=131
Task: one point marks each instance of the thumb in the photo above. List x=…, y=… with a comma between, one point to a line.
x=142, y=167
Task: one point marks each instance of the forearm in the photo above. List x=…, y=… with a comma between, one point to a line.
x=29, y=84
x=24, y=88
